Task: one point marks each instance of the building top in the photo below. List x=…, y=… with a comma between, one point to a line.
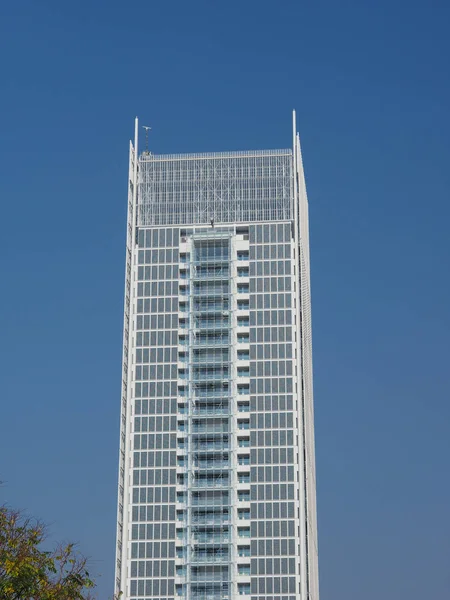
x=226, y=187
x=149, y=156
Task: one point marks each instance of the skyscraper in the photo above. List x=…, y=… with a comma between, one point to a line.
x=217, y=469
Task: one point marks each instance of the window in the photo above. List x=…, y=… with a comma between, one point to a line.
x=243, y=390
x=243, y=478
x=243, y=321
x=243, y=407
x=242, y=272
x=243, y=569
x=242, y=288
x=243, y=496
x=243, y=304
x=184, y=257
x=243, y=372
x=244, y=550
x=243, y=355
x=243, y=425
x=242, y=338
x=242, y=254
x=243, y=459
x=243, y=589
x=242, y=442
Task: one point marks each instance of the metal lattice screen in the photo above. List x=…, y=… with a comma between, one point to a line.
x=226, y=187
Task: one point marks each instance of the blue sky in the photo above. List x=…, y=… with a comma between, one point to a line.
x=370, y=84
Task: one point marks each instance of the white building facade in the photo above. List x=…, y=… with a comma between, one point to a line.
x=217, y=492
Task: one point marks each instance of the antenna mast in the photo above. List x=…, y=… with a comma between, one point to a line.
x=147, y=129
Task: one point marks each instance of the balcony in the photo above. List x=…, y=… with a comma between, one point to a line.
x=243, y=569
x=243, y=496
x=219, y=555
x=211, y=272
x=201, y=517
x=243, y=321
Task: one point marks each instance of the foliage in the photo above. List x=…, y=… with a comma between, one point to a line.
x=27, y=572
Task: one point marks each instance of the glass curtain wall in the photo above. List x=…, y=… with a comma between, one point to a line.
x=208, y=374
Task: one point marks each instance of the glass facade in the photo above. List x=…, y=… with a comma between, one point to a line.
x=216, y=481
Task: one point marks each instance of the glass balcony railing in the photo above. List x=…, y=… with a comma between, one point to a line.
x=243, y=443
x=204, y=446
x=215, y=499
x=210, y=518
x=244, y=570
x=211, y=391
x=208, y=375
x=208, y=410
x=210, y=324
x=244, y=496
x=211, y=340
x=210, y=428
x=243, y=532
x=210, y=357
x=212, y=538
x=243, y=372
x=210, y=557
x=210, y=308
x=210, y=483
x=243, y=338
x=206, y=288
x=243, y=322
x=201, y=273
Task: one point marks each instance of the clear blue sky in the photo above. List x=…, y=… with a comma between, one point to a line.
x=370, y=82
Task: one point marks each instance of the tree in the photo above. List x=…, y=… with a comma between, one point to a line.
x=27, y=572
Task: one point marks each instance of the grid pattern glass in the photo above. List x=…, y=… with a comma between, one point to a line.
x=205, y=391
x=230, y=187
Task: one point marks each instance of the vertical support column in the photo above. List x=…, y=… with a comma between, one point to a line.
x=233, y=414
x=299, y=370
x=123, y=550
